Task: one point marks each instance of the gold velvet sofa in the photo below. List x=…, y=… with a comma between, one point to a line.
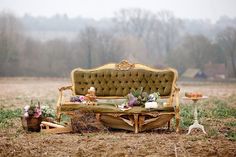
x=113, y=82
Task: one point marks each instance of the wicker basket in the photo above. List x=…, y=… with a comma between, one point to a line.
x=31, y=123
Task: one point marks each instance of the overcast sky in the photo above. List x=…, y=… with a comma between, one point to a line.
x=204, y=9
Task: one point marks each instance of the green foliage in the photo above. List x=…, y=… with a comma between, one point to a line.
x=48, y=111
x=186, y=116
x=137, y=93
x=7, y=115
x=65, y=119
x=231, y=135
x=31, y=110
x=223, y=111
x=231, y=124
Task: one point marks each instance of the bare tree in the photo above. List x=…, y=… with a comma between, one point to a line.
x=194, y=52
x=10, y=39
x=58, y=57
x=88, y=40
x=158, y=32
x=137, y=22
x=30, y=58
x=227, y=41
x=135, y=34
x=109, y=47
x=169, y=30
x=137, y=27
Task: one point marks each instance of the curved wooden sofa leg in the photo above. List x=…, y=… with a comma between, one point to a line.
x=177, y=117
x=168, y=125
x=136, y=124
x=58, y=116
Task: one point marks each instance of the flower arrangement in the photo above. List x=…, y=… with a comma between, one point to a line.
x=136, y=97
x=37, y=111
x=77, y=98
x=34, y=114
x=89, y=98
x=32, y=110
x=139, y=98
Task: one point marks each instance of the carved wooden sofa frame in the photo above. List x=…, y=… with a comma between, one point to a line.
x=114, y=81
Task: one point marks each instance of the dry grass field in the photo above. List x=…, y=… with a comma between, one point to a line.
x=217, y=114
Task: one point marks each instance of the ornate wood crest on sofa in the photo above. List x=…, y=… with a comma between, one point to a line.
x=113, y=82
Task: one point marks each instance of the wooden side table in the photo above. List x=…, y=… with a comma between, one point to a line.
x=196, y=123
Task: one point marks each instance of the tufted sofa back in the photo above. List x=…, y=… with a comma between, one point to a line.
x=112, y=82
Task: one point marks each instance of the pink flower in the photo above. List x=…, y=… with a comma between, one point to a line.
x=37, y=112
x=81, y=98
x=132, y=100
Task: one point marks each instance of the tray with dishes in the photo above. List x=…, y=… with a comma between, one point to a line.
x=194, y=96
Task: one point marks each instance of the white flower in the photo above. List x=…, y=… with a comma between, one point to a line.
x=26, y=108
x=26, y=114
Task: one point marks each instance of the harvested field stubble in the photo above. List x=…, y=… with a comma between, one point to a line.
x=217, y=114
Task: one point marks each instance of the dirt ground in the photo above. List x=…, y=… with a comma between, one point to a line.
x=14, y=141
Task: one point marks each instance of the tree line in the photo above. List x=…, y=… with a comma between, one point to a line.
x=156, y=39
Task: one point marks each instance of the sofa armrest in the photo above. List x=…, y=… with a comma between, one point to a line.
x=61, y=96
x=60, y=99
x=65, y=88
